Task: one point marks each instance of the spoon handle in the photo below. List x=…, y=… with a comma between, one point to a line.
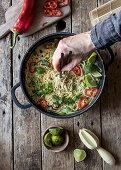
x=107, y=157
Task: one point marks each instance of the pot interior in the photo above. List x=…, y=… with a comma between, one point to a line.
x=22, y=76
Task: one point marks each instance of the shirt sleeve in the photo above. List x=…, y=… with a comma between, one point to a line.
x=107, y=32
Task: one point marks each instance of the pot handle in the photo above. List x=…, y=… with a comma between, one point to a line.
x=111, y=54
x=15, y=99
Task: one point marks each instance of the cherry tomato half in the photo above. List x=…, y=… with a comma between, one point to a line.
x=42, y=102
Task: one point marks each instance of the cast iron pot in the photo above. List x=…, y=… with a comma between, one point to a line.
x=22, y=78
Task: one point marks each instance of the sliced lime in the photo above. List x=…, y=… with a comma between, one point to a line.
x=96, y=74
x=79, y=155
x=90, y=82
x=92, y=58
x=56, y=131
x=48, y=139
x=57, y=140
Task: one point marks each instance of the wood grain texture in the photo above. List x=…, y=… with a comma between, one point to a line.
x=29, y=125
x=110, y=108
x=27, y=144
x=6, y=154
x=90, y=119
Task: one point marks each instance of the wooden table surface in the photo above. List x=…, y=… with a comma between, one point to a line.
x=21, y=131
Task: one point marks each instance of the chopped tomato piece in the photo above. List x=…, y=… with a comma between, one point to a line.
x=42, y=102
x=83, y=102
x=32, y=67
x=91, y=92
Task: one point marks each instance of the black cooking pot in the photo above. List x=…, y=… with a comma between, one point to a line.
x=22, y=78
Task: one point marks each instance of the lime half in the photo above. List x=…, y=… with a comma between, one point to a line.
x=79, y=155
x=96, y=74
x=48, y=139
x=56, y=131
x=92, y=58
x=57, y=140
x=90, y=82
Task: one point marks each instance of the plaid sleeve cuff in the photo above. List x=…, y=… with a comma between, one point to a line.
x=107, y=32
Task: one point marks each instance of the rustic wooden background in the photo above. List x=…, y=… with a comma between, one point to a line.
x=21, y=146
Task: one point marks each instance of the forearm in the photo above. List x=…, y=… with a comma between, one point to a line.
x=107, y=32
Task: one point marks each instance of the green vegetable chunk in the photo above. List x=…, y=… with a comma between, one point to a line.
x=90, y=68
x=40, y=70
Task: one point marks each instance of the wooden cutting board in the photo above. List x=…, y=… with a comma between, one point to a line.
x=13, y=12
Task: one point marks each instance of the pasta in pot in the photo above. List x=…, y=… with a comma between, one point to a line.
x=44, y=86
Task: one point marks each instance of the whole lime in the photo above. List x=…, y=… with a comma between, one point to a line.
x=57, y=140
x=56, y=131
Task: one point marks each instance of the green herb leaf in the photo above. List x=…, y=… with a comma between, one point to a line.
x=51, y=67
x=74, y=86
x=40, y=70
x=54, y=97
x=90, y=68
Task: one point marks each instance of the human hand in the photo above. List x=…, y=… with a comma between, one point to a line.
x=81, y=46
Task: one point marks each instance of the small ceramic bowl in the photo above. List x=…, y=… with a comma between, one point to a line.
x=63, y=145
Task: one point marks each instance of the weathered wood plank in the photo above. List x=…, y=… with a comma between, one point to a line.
x=63, y=160
x=6, y=162
x=111, y=111
x=90, y=119
x=27, y=144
